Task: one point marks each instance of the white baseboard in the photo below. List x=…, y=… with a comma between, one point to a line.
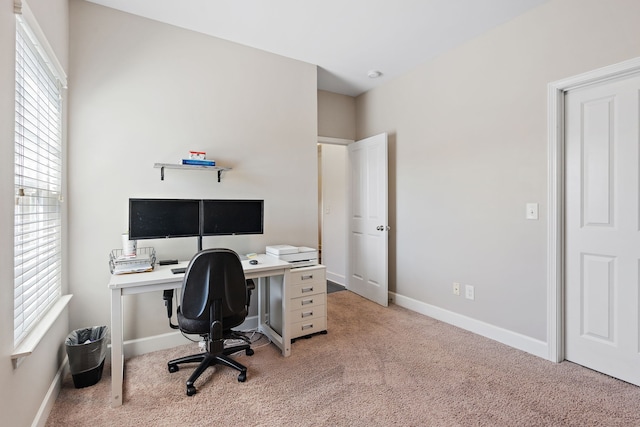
x=336, y=278
x=52, y=394
x=510, y=338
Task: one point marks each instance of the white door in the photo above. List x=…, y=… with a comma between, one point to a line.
x=602, y=255
x=367, y=271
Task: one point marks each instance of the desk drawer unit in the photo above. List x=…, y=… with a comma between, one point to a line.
x=307, y=305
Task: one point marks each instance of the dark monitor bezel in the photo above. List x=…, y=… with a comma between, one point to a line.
x=205, y=218
x=183, y=233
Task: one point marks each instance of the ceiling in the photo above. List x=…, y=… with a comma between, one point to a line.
x=344, y=38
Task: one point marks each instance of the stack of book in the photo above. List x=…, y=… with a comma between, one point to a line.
x=198, y=162
x=198, y=158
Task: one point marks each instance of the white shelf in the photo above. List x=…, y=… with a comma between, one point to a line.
x=164, y=166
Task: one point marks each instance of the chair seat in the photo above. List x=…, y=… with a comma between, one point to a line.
x=201, y=326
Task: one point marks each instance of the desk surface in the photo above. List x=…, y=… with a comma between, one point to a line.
x=162, y=273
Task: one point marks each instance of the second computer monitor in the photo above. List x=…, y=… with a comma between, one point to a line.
x=229, y=217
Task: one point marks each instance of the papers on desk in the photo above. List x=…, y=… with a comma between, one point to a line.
x=132, y=267
x=143, y=261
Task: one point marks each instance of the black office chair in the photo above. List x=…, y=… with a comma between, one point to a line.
x=215, y=298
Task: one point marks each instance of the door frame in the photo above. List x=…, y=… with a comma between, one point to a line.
x=556, y=195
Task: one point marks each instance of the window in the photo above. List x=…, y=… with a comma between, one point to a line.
x=38, y=182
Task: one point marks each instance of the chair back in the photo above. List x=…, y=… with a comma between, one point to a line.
x=214, y=274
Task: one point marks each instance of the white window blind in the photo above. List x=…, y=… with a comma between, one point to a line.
x=38, y=179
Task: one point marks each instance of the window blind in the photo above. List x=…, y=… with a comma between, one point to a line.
x=38, y=180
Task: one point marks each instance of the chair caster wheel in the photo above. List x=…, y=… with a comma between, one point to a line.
x=242, y=377
x=249, y=352
x=173, y=368
x=191, y=390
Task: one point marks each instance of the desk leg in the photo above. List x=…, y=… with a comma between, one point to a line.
x=266, y=316
x=286, y=330
x=117, y=356
x=262, y=308
x=263, y=302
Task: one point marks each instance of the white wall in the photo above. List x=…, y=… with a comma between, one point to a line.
x=468, y=138
x=25, y=387
x=146, y=92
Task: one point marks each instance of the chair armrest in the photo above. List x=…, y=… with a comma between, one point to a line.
x=167, y=296
x=250, y=286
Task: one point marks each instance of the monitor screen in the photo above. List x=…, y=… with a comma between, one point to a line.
x=224, y=217
x=161, y=218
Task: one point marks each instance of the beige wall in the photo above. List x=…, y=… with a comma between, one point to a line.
x=468, y=141
x=24, y=388
x=336, y=115
x=146, y=92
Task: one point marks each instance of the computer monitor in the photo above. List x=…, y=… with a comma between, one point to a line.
x=231, y=217
x=163, y=218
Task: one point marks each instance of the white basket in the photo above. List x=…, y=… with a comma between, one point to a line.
x=145, y=258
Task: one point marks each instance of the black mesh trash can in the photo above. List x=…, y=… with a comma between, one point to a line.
x=87, y=349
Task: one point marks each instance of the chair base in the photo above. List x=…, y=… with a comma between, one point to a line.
x=210, y=359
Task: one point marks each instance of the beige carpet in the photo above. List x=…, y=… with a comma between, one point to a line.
x=376, y=367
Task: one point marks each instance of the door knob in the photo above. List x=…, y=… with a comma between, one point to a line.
x=383, y=228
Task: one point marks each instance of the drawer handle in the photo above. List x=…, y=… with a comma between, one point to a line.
x=307, y=301
x=307, y=314
x=307, y=326
x=309, y=289
x=307, y=277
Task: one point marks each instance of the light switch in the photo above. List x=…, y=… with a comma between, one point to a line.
x=532, y=211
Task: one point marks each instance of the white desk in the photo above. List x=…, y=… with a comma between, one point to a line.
x=162, y=278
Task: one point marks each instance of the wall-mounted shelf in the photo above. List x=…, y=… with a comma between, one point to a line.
x=164, y=166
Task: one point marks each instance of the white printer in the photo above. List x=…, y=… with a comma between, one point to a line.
x=298, y=256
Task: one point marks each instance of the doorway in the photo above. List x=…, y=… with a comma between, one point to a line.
x=332, y=208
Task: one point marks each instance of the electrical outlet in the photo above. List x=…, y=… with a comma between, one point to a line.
x=469, y=292
x=456, y=288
